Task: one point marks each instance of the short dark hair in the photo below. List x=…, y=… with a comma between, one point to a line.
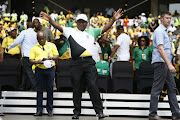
x=164, y=13
x=119, y=27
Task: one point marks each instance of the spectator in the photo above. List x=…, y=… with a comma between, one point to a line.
x=69, y=15
x=105, y=46
x=135, y=22
x=14, y=16
x=3, y=8
x=21, y=27
x=126, y=21
x=172, y=28
x=27, y=39
x=54, y=15
x=23, y=17
x=153, y=25
x=122, y=46
x=7, y=41
x=97, y=53
x=143, y=18
x=70, y=22
x=42, y=53
x=7, y=17
x=140, y=54
x=61, y=16
x=177, y=21
x=150, y=18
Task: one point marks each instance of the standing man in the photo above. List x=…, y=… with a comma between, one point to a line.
x=163, y=69
x=27, y=39
x=49, y=36
x=122, y=46
x=81, y=45
x=39, y=27
x=42, y=55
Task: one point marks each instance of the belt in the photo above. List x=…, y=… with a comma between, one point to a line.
x=82, y=58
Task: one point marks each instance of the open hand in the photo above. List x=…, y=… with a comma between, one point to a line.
x=45, y=16
x=118, y=14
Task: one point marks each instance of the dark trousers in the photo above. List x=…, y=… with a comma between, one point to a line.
x=28, y=80
x=45, y=80
x=162, y=75
x=16, y=56
x=85, y=68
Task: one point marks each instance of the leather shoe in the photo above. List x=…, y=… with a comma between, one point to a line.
x=50, y=113
x=38, y=114
x=155, y=118
x=1, y=114
x=75, y=116
x=176, y=118
x=100, y=115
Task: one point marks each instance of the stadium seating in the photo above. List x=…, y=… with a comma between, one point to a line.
x=122, y=77
x=10, y=74
x=146, y=77
x=63, y=76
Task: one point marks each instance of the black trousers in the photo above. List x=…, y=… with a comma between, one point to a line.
x=162, y=75
x=28, y=79
x=45, y=80
x=85, y=68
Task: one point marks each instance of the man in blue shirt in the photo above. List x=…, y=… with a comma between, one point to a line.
x=27, y=39
x=163, y=69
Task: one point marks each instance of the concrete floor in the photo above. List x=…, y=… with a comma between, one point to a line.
x=58, y=117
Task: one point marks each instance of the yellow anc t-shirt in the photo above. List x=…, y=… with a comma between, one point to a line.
x=7, y=41
x=38, y=53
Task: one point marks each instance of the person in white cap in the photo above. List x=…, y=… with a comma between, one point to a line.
x=143, y=17
x=83, y=66
x=7, y=41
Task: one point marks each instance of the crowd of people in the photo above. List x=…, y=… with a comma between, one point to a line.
x=101, y=38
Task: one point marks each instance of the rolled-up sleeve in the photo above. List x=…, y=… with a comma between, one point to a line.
x=159, y=38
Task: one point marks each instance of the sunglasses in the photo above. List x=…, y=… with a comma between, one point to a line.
x=142, y=40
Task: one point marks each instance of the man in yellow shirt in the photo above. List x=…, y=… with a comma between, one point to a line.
x=7, y=41
x=42, y=55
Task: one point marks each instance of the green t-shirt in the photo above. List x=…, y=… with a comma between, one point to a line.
x=140, y=55
x=70, y=24
x=102, y=67
x=106, y=51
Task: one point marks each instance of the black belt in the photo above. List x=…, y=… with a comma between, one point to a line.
x=82, y=58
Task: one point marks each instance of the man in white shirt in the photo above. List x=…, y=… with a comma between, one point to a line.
x=172, y=28
x=122, y=46
x=27, y=39
x=97, y=53
x=82, y=65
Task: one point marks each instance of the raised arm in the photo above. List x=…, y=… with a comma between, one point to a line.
x=47, y=17
x=116, y=16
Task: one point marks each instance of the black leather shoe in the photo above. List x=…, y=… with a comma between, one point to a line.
x=38, y=114
x=1, y=114
x=100, y=115
x=50, y=113
x=75, y=116
x=155, y=118
x=176, y=118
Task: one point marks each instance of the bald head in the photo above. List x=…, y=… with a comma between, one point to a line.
x=41, y=37
x=30, y=25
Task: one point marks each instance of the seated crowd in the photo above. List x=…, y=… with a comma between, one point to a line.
x=127, y=40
